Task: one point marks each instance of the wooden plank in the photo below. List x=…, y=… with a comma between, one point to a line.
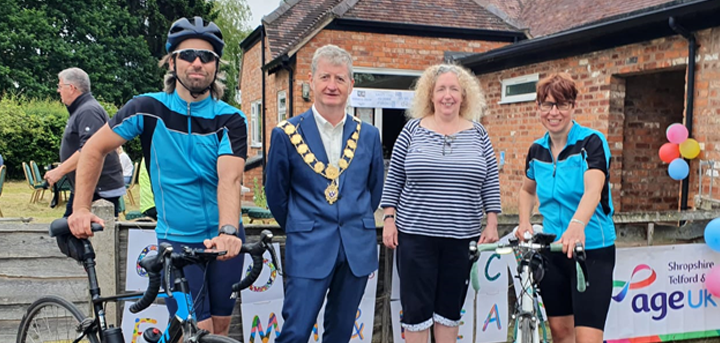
x=41, y=268
x=25, y=244
x=9, y=330
x=24, y=291
x=16, y=227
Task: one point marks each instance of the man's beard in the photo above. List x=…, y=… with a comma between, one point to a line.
x=197, y=85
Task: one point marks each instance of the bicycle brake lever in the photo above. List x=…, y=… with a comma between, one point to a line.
x=580, y=256
x=167, y=263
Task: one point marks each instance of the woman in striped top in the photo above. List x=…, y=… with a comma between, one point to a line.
x=443, y=180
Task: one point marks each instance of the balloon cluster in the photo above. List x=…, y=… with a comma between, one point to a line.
x=679, y=145
x=712, y=238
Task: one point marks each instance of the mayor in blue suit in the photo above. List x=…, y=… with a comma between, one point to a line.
x=324, y=181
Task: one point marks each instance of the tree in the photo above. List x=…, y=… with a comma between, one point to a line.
x=156, y=17
x=42, y=37
x=233, y=17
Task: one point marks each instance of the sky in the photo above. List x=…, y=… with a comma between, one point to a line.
x=260, y=8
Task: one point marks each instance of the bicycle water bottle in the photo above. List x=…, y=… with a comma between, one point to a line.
x=113, y=335
x=152, y=335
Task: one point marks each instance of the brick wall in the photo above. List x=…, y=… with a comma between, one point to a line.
x=601, y=78
x=368, y=50
x=652, y=103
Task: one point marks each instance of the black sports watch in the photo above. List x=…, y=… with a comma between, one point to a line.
x=228, y=230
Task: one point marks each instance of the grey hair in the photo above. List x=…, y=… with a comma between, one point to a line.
x=217, y=89
x=334, y=55
x=76, y=77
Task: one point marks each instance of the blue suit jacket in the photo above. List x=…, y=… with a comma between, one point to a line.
x=296, y=197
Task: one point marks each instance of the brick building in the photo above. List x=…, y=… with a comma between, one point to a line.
x=632, y=70
x=631, y=66
x=392, y=42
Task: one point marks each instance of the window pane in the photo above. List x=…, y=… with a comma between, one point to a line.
x=520, y=88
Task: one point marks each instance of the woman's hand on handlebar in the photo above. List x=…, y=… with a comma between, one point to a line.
x=230, y=243
x=522, y=230
x=573, y=236
x=79, y=223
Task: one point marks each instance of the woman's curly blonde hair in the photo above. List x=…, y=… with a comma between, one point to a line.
x=473, y=100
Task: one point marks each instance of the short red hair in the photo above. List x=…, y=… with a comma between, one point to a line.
x=560, y=85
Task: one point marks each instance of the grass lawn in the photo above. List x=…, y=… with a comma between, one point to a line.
x=15, y=203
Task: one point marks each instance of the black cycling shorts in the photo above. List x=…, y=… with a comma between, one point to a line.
x=559, y=287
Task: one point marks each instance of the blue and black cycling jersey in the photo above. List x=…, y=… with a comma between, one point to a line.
x=560, y=183
x=181, y=143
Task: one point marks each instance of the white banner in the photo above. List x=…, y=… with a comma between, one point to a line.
x=141, y=244
x=134, y=324
x=659, y=294
x=381, y=98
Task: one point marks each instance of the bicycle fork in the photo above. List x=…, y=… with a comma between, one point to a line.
x=529, y=310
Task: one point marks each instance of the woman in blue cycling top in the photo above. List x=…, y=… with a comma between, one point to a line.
x=568, y=171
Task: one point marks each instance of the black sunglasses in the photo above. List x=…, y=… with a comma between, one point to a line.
x=189, y=55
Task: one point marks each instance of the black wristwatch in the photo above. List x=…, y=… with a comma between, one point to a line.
x=386, y=216
x=228, y=230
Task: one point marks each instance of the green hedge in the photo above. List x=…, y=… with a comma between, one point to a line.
x=32, y=129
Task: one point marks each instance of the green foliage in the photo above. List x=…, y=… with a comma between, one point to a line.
x=30, y=130
x=259, y=194
x=118, y=43
x=232, y=18
x=33, y=129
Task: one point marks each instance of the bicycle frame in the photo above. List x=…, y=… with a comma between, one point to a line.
x=528, y=305
x=184, y=317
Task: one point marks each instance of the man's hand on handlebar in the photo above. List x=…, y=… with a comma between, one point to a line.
x=79, y=223
x=229, y=243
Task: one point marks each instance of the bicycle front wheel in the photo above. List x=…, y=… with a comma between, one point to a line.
x=216, y=339
x=526, y=333
x=52, y=319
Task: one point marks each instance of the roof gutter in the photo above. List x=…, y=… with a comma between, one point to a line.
x=370, y=26
x=594, y=37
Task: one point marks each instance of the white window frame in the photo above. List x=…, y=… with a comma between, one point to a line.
x=520, y=97
x=281, y=110
x=256, y=127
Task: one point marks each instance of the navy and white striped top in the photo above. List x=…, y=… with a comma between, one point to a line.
x=440, y=185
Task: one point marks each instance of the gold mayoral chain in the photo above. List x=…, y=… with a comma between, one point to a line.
x=329, y=172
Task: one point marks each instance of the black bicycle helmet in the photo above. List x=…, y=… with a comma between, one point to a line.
x=183, y=29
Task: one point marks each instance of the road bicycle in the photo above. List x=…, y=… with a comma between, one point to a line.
x=57, y=320
x=529, y=323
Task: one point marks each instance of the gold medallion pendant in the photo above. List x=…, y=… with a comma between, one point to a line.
x=332, y=192
x=330, y=172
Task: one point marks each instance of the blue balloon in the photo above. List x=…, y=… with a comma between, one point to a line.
x=678, y=169
x=712, y=234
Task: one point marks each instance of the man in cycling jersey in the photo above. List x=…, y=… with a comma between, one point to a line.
x=194, y=146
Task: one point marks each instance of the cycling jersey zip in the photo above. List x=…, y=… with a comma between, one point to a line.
x=190, y=156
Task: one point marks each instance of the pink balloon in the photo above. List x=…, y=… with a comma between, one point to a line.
x=677, y=133
x=712, y=281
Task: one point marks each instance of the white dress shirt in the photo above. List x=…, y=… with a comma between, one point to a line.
x=331, y=136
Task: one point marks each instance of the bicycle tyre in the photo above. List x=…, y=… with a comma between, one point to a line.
x=52, y=318
x=217, y=339
x=526, y=332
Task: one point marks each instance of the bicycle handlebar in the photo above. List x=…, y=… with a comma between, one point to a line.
x=256, y=251
x=60, y=227
x=578, y=255
x=167, y=259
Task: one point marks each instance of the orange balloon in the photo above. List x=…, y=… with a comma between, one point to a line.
x=668, y=152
